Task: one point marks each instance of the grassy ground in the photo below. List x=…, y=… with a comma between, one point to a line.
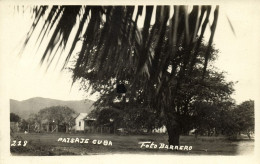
x=48, y=144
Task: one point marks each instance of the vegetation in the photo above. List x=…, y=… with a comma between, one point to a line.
x=162, y=65
x=242, y=119
x=14, y=117
x=52, y=117
x=245, y=117
x=23, y=125
x=200, y=103
x=59, y=115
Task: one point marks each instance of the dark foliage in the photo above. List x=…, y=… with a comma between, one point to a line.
x=114, y=50
x=14, y=117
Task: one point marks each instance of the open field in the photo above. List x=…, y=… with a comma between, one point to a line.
x=56, y=144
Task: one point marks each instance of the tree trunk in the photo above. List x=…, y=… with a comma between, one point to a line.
x=174, y=136
x=114, y=125
x=48, y=126
x=196, y=133
x=248, y=134
x=40, y=129
x=149, y=129
x=57, y=126
x=174, y=131
x=67, y=128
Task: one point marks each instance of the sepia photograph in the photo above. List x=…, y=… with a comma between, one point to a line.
x=171, y=79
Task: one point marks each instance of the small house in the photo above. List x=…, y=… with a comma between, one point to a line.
x=84, y=123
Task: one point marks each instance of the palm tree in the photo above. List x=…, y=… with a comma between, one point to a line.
x=113, y=49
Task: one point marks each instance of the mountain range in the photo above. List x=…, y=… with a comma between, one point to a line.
x=34, y=105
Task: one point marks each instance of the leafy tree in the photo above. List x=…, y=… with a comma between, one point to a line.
x=23, y=125
x=34, y=122
x=244, y=117
x=191, y=99
x=109, y=117
x=202, y=103
x=14, y=117
x=134, y=120
x=113, y=47
x=209, y=118
x=239, y=119
x=58, y=114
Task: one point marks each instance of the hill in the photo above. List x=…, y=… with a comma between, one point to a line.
x=34, y=105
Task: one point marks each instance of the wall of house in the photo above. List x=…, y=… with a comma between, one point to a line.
x=79, y=124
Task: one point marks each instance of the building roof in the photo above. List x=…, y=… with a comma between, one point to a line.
x=89, y=118
x=84, y=116
x=81, y=116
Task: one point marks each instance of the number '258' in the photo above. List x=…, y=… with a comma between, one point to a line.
x=19, y=143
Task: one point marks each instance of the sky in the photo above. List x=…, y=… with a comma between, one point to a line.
x=23, y=78
x=239, y=53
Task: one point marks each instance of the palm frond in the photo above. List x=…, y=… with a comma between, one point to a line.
x=111, y=43
x=213, y=29
x=231, y=26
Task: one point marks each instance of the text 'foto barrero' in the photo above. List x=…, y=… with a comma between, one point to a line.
x=152, y=145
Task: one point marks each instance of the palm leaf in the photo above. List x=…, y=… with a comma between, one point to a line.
x=112, y=44
x=231, y=26
x=213, y=29
x=63, y=29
